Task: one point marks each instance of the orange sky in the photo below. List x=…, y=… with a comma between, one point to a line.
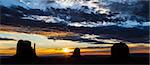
x=46, y=46
x=96, y=51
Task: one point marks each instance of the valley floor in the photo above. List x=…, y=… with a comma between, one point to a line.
x=88, y=59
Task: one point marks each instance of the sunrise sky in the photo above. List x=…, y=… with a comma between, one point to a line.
x=48, y=47
x=59, y=26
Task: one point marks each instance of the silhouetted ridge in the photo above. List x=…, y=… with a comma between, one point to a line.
x=24, y=50
x=120, y=50
x=76, y=52
x=120, y=53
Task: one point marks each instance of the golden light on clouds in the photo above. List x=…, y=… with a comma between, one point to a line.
x=36, y=30
x=55, y=34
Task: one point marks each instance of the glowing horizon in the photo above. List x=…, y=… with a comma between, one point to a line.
x=47, y=47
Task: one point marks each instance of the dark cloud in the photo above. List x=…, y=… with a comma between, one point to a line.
x=138, y=9
x=6, y=39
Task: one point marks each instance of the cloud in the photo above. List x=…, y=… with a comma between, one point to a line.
x=133, y=12
x=6, y=39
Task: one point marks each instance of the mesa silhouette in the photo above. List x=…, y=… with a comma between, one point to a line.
x=24, y=50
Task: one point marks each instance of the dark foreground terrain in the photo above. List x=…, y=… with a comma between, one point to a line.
x=88, y=59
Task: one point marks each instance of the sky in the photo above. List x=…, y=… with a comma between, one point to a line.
x=49, y=47
x=127, y=9
x=66, y=41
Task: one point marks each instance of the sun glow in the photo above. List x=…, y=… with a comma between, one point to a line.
x=66, y=50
